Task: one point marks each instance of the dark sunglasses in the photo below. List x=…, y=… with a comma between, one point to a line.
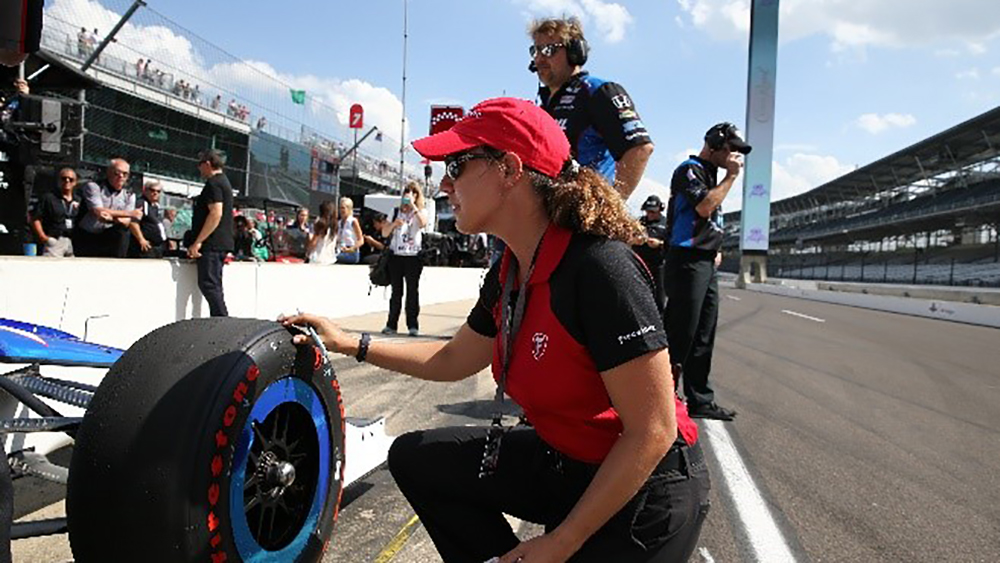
x=454, y=166
x=67, y=179
x=545, y=50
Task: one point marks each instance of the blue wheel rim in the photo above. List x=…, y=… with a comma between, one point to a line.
x=279, y=394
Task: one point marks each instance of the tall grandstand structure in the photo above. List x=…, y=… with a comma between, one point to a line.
x=927, y=214
x=163, y=94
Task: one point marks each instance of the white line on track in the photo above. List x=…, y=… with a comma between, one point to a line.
x=768, y=544
x=733, y=297
x=801, y=316
x=705, y=555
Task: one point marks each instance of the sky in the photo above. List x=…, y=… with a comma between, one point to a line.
x=857, y=79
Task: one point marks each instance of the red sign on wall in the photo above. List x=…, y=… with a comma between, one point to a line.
x=443, y=117
x=357, y=117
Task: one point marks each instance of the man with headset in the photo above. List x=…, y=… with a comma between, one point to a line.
x=694, y=232
x=653, y=247
x=598, y=117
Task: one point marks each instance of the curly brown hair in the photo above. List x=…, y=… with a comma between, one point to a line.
x=584, y=202
x=581, y=200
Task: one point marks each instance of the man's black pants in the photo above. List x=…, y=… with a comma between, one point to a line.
x=210, y=281
x=438, y=472
x=408, y=269
x=109, y=243
x=691, y=316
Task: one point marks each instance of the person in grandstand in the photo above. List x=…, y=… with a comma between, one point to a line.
x=653, y=245
x=694, y=227
x=598, y=116
x=149, y=235
x=52, y=219
x=610, y=463
x=349, y=236
x=107, y=208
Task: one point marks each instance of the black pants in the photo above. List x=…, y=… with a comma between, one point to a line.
x=109, y=243
x=437, y=470
x=408, y=269
x=210, y=281
x=691, y=316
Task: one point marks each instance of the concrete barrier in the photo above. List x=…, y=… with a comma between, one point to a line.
x=117, y=301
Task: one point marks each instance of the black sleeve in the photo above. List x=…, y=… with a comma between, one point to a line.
x=481, y=318
x=615, y=118
x=693, y=183
x=214, y=192
x=618, y=319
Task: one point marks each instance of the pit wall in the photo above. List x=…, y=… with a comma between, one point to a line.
x=117, y=301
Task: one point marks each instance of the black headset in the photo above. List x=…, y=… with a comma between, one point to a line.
x=577, y=51
x=717, y=136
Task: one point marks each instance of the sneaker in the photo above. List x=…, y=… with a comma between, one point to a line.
x=414, y=332
x=711, y=410
x=388, y=330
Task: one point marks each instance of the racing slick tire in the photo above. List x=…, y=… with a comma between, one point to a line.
x=209, y=440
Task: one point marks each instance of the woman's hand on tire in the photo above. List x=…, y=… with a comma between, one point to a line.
x=333, y=338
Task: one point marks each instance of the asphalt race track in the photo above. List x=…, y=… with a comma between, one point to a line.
x=861, y=436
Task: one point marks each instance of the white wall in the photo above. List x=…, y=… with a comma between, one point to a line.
x=138, y=296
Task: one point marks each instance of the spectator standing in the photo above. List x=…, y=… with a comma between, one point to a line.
x=349, y=236
x=322, y=248
x=106, y=211
x=140, y=68
x=149, y=235
x=216, y=102
x=53, y=219
x=298, y=234
x=374, y=241
x=212, y=230
x=169, y=216
x=694, y=219
x=598, y=116
x=83, y=43
x=406, y=232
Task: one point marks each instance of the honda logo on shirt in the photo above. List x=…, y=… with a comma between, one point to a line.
x=621, y=101
x=539, y=343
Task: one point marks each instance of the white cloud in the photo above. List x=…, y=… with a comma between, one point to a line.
x=996, y=70
x=797, y=174
x=610, y=19
x=850, y=24
x=971, y=74
x=875, y=123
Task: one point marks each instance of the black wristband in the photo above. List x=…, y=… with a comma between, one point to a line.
x=363, y=346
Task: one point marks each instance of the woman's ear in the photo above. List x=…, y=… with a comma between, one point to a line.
x=513, y=167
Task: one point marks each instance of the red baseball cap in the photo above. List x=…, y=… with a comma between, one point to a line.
x=506, y=124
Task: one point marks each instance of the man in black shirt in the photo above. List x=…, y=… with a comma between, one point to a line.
x=694, y=226
x=598, y=116
x=148, y=234
x=53, y=218
x=212, y=230
x=654, y=247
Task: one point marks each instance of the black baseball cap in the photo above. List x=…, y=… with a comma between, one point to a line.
x=731, y=136
x=652, y=202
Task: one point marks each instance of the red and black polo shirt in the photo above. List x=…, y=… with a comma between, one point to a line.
x=591, y=308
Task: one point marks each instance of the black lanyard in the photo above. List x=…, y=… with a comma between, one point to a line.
x=510, y=322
